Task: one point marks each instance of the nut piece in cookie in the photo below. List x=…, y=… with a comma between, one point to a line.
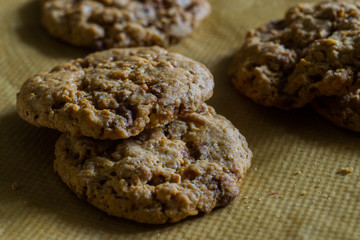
x=312, y=52
x=343, y=111
x=116, y=93
x=104, y=24
x=164, y=174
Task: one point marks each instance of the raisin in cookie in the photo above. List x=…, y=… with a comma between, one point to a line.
x=343, y=111
x=191, y=165
x=122, y=23
x=116, y=93
x=312, y=52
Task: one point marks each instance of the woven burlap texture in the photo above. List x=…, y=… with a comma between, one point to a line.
x=292, y=191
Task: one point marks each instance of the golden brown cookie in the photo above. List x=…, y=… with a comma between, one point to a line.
x=191, y=165
x=312, y=52
x=343, y=111
x=115, y=93
x=126, y=23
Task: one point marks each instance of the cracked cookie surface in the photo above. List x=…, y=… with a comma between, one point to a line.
x=104, y=24
x=188, y=166
x=343, y=111
x=115, y=93
x=312, y=52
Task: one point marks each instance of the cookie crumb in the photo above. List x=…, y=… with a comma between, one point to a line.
x=345, y=170
x=14, y=186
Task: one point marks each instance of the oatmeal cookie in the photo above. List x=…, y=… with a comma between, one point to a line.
x=343, y=111
x=312, y=52
x=104, y=24
x=115, y=93
x=188, y=166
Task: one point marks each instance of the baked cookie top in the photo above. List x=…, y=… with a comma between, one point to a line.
x=312, y=52
x=191, y=165
x=115, y=93
x=103, y=24
x=343, y=111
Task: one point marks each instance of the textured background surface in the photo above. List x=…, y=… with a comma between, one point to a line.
x=272, y=204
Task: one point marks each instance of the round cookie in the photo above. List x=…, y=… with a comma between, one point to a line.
x=115, y=93
x=343, y=111
x=191, y=165
x=312, y=52
x=104, y=24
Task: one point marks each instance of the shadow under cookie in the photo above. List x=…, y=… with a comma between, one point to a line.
x=30, y=188
x=33, y=34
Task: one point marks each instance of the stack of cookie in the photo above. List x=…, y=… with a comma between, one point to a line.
x=310, y=56
x=139, y=142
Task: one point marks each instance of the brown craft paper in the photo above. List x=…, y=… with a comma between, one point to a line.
x=291, y=191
